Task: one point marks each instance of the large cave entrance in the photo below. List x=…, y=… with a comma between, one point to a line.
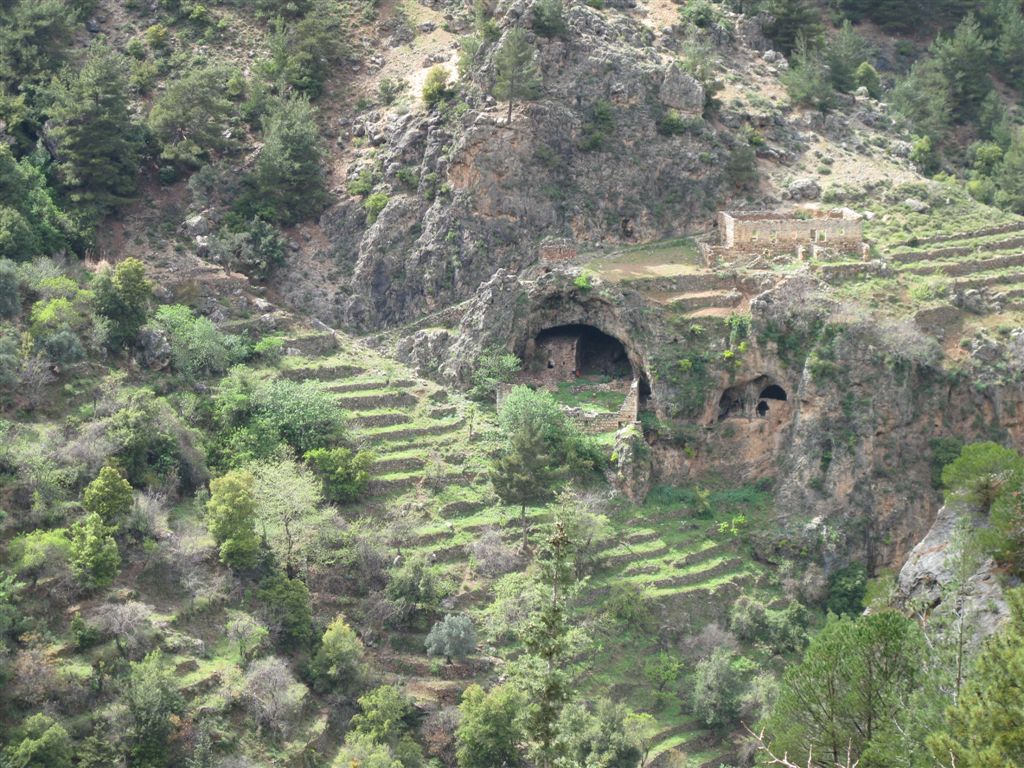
x=571, y=351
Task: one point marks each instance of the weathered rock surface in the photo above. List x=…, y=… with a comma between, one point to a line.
x=927, y=576
x=633, y=463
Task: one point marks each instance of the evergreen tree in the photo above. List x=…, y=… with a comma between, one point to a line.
x=31, y=224
x=1009, y=46
x=40, y=742
x=850, y=689
x=516, y=77
x=286, y=609
x=923, y=98
x=845, y=53
x=153, y=700
x=109, y=496
x=191, y=115
x=807, y=79
x=288, y=184
x=793, y=20
x=94, y=556
x=526, y=473
x=452, y=637
x=338, y=663
x=231, y=519
x=965, y=58
x=489, y=732
x=97, y=152
x=123, y=296
x=717, y=688
x=986, y=726
x=544, y=675
x=1010, y=179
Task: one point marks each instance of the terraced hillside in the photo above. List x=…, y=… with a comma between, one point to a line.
x=433, y=450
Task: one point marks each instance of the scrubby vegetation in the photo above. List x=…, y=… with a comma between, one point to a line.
x=229, y=540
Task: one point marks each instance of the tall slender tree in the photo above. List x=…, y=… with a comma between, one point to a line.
x=516, y=77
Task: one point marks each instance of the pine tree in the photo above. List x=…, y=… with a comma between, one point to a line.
x=96, y=149
x=844, y=54
x=94, y=556
x=525, y=473
x=965, y=59
x=986, y=726
x=793, y=20
x=545, y=676
x=516, y=77
x=288, y=181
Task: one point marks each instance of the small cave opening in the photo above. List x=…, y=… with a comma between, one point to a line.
x=752, y=398
x=772, y=392
x=582, y=350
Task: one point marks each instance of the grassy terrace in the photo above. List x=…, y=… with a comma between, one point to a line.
x=666, y=258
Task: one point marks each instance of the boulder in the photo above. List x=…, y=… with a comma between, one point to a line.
x=154, y=349
x=804, y=189
x=681, y=91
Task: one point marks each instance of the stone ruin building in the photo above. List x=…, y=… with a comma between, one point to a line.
x=748, y=236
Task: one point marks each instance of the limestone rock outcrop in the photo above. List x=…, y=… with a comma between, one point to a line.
x=926, y=577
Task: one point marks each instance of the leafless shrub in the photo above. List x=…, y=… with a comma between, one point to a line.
x=438, y=731
x=149, y=515
x=710, y=638
x=273, y=695
x=128, y=624
x=492, y=556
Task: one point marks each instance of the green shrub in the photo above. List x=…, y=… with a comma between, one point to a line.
x=599, y=126
x=338, y=663
x=374, y=204
x=345, y=474
x=495, y=366
x=866, y=76
x=549, y=18
x=672, y=123
x=741, y=168
x=362, y=184
x=256, y=250
x=435, y=86
x=453, y=638
x=846, y=590
x=197, y=348
x=285, y=605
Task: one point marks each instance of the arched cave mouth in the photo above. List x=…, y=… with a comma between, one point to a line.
x=581, y=350
x=750, y=399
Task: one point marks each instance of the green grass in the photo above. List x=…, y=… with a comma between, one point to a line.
x=586, y=393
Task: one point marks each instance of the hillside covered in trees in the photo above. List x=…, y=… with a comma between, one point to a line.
x=369, y=397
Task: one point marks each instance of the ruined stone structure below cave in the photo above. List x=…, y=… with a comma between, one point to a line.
x=565, y=353
x=745, y=237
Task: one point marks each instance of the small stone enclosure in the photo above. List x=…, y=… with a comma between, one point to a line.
x=805, y=234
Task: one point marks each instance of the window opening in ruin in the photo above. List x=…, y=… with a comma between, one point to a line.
x=772, y=392
x=762, y=409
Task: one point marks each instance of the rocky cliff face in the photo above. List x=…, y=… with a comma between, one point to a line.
x=470, y=192
x=932, y=568
x=850, y=448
